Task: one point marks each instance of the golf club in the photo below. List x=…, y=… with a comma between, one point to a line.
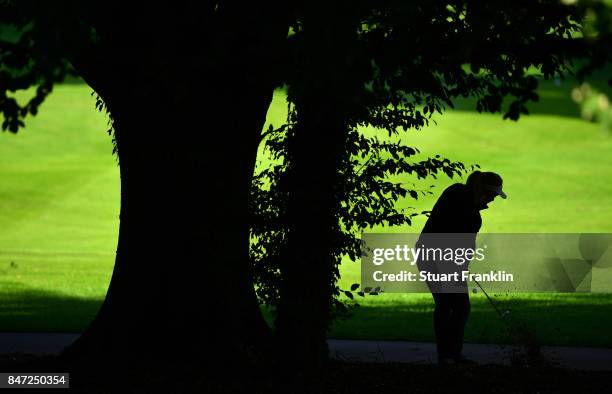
x=501, y=315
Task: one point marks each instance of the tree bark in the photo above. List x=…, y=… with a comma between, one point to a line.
x=315, y=156
x=187, y=143
x=308, y=264
x=304, y=313
x=181, y=279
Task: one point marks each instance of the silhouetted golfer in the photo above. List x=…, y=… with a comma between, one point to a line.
x=457, y=214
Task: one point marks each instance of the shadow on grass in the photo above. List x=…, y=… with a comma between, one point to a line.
x=553, y=100
x=563, y=319
x=24, y=309
x=73, y=80
x=554, y=96
x=571, y=320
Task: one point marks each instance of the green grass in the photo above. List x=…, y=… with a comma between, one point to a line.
x=59, y=193
x=59, y=198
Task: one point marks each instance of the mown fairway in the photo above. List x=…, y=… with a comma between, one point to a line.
x=59, y=199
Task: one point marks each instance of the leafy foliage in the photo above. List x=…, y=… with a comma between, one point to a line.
x=28, y=57
x=367, y=196
x=594, y=105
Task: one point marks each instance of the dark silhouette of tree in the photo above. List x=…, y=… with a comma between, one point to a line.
x=176, y=81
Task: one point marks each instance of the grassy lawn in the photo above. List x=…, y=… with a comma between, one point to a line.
x=59, y=194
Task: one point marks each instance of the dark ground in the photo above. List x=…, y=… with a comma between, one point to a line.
x=342, y=377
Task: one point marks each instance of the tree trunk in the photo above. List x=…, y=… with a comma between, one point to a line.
x=308, y=265
x=187, y=143
x=316, y=152
x=181, y=283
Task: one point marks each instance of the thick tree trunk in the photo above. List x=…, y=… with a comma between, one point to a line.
x=181, y=282
x=187, y=142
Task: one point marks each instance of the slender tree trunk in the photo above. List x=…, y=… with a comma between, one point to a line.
x=315, y=155
x=306, y=295
x=308, y=265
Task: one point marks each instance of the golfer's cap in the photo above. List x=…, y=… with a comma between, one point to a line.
x=492, y=181
x=498, y=190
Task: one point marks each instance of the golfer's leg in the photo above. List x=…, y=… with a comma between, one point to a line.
x=460, y=306
x=442, y=325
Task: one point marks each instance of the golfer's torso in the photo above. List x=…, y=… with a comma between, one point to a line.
x=452, y=224
x=454, y=213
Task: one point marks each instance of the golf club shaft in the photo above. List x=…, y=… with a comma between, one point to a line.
x=490, y=300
